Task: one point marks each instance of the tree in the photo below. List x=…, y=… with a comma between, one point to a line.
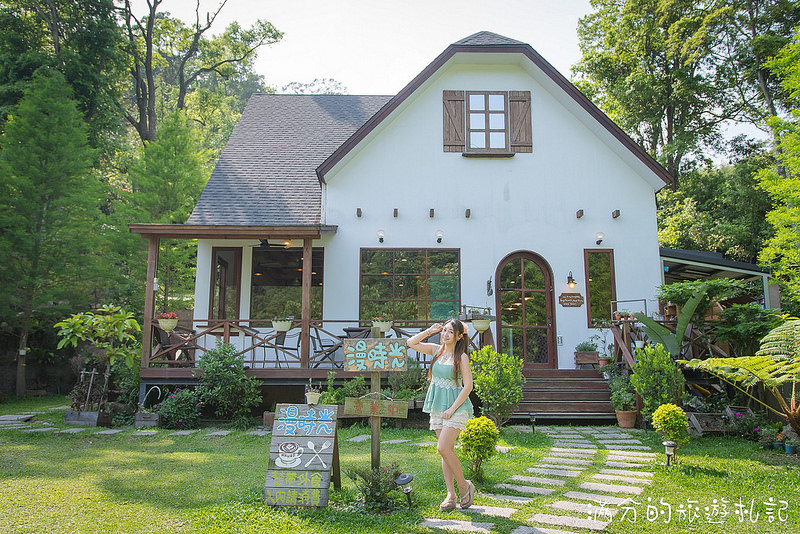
x=167, y=181
x=319, y=86
x=636, y=66
x=48, y=200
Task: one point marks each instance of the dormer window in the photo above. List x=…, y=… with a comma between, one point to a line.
x=487, y=123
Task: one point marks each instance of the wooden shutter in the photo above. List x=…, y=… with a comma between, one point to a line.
x=519, y=112
x=453, y=116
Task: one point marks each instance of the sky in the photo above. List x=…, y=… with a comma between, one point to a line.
x=378, y=46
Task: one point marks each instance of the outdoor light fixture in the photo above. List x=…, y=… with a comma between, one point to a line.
x=532, y=416
x=439, y=236
x=381, y=235
x=669, y=450
x=403, y=482
x=570, y=280
x=600, y=236
x=489, y=289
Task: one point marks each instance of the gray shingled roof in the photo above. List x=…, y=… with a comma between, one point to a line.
x=266, y=173
x=487, y=38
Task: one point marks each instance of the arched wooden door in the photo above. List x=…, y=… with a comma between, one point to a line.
x=526, y=313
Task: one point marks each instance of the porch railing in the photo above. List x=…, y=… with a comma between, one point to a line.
x=265, y=348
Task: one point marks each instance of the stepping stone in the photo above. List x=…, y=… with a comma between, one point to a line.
x=572, y=461
x=570, y=521
x=620, y=441
x=591, y=509
x=457, y=525
x=575, y=444
x=611, y=488
x=513, y=498
x=359, y=439
x=525, y=489
x=612, y=436
x=71, y=431
x=629, y=447
x=40, y=429
x=218, y=433
x=424, y=443
x=620, y=478
x=537, y=480
x=494, y=511
x=556, y=472
x=583, y=454
x=184, y=432
x=524, y=529
x=502, y=449
x=622, y=464
x=393, y=441
x=17, y=418
x=627, y=473
x=597, y=497
x=109, y=432
x=562, y=466
x=569, y=436
x=13, y=426
x=259, y=433
x=633, y=455
x=521, y=428
x=145, y=433
x=590, y=452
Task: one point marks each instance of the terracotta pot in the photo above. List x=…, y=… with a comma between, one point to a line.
x=602, y=362
x=626, y=419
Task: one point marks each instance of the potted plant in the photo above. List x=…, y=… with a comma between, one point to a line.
x=481, y=318
x=586, y=352
x=167, y=321
x=282, y=323
x=766, y=437
x=313, y=393
x=623, y=399
x=382, y=323
x=790, y=445
x=778, y=442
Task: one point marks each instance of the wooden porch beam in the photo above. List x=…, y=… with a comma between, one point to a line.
x=305, y=326
x=207, y=231
x=149, y=299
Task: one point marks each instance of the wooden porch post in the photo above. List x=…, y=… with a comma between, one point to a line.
x=305, y=326
x=149, y=300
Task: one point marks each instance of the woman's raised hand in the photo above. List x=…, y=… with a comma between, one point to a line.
x=436, y=328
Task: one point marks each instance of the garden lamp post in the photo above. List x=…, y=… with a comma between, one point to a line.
x=532, y=416
x=669, y=450
x=404, y=481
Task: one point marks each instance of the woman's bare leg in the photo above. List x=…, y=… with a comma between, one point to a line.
x=451, y=465
x=448, y=474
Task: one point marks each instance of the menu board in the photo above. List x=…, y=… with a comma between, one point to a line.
x=301, y=455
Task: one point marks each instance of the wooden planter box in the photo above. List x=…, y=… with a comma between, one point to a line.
x=87, y=418
x=586, y=357
x=145, y=420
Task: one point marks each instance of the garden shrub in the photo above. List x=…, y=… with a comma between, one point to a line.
x=497, y=380
x=656, y=378
x=478, y=441
x=670, y=421
x=180, y=410
x=225, y=388
x=375, y=486
x=408, y=384
x=743, y=325
x=351, y=387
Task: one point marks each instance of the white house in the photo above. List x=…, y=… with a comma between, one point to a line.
x=488, y=181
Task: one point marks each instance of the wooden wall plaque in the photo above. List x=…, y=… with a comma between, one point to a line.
x=375, y=354
x=373, y=407
x=570, y=300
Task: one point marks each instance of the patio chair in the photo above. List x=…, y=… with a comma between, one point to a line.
x=287, y=342
x=323, y=348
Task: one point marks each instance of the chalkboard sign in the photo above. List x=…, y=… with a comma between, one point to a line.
x=301, y=455
x=375, y=354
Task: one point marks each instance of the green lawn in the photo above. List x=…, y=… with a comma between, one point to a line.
x=126, y=483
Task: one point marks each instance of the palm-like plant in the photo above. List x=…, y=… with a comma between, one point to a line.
x=775, y=364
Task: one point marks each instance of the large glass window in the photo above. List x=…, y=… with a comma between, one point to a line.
x=409, y=284
x=601, y=290
x=277, y=283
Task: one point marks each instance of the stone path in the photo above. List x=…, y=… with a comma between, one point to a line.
x=587, y=474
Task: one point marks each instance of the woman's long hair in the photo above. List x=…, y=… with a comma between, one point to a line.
x=460, y=348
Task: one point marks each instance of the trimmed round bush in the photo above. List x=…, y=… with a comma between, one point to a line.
x=478, y=442
x=670, y=421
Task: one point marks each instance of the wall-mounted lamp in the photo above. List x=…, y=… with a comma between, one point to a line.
x=489, y=289
x=381, y=235
x=600, y=236
x=570, y=280
x=669, y=450
x=439, y=236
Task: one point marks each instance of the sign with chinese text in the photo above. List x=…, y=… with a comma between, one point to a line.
x=373, y=407
x=375, y=354
x=301, y=454
x=570, y=300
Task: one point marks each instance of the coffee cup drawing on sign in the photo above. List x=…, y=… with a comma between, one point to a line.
x=289, y=454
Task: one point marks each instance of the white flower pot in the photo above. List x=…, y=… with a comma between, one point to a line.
x=167, y=325
x=481, y=325
x=282, y=326
x=383, y=326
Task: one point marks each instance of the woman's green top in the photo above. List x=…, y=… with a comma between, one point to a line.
x=443, y=390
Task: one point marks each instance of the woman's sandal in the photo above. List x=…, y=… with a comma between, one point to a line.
x=466, y=500
x=447, y=505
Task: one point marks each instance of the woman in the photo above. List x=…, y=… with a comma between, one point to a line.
x=447, y=401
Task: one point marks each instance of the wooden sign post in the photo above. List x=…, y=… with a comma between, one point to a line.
x=303, y=450
x=374, y=355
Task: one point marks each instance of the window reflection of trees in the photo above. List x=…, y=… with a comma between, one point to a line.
x=277, y=281
x=599, y=265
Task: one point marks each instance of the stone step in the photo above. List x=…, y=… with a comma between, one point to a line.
x=611, y=488
x=571, y=461
x=494, y=511
x=620, y=478
x=562, y=466
x=626, y=472
x=525, y=529
x=511, y=498
x=556, y=472
x=628, y=448
x=623, y=464
x=598, y=498
x=570, y=521
x=537, y=480
x=583, y=455
x=585, y=452
x=525, y=489
x=633, y=454
x=575, y=445
x=457, y=525
x=591, y=509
